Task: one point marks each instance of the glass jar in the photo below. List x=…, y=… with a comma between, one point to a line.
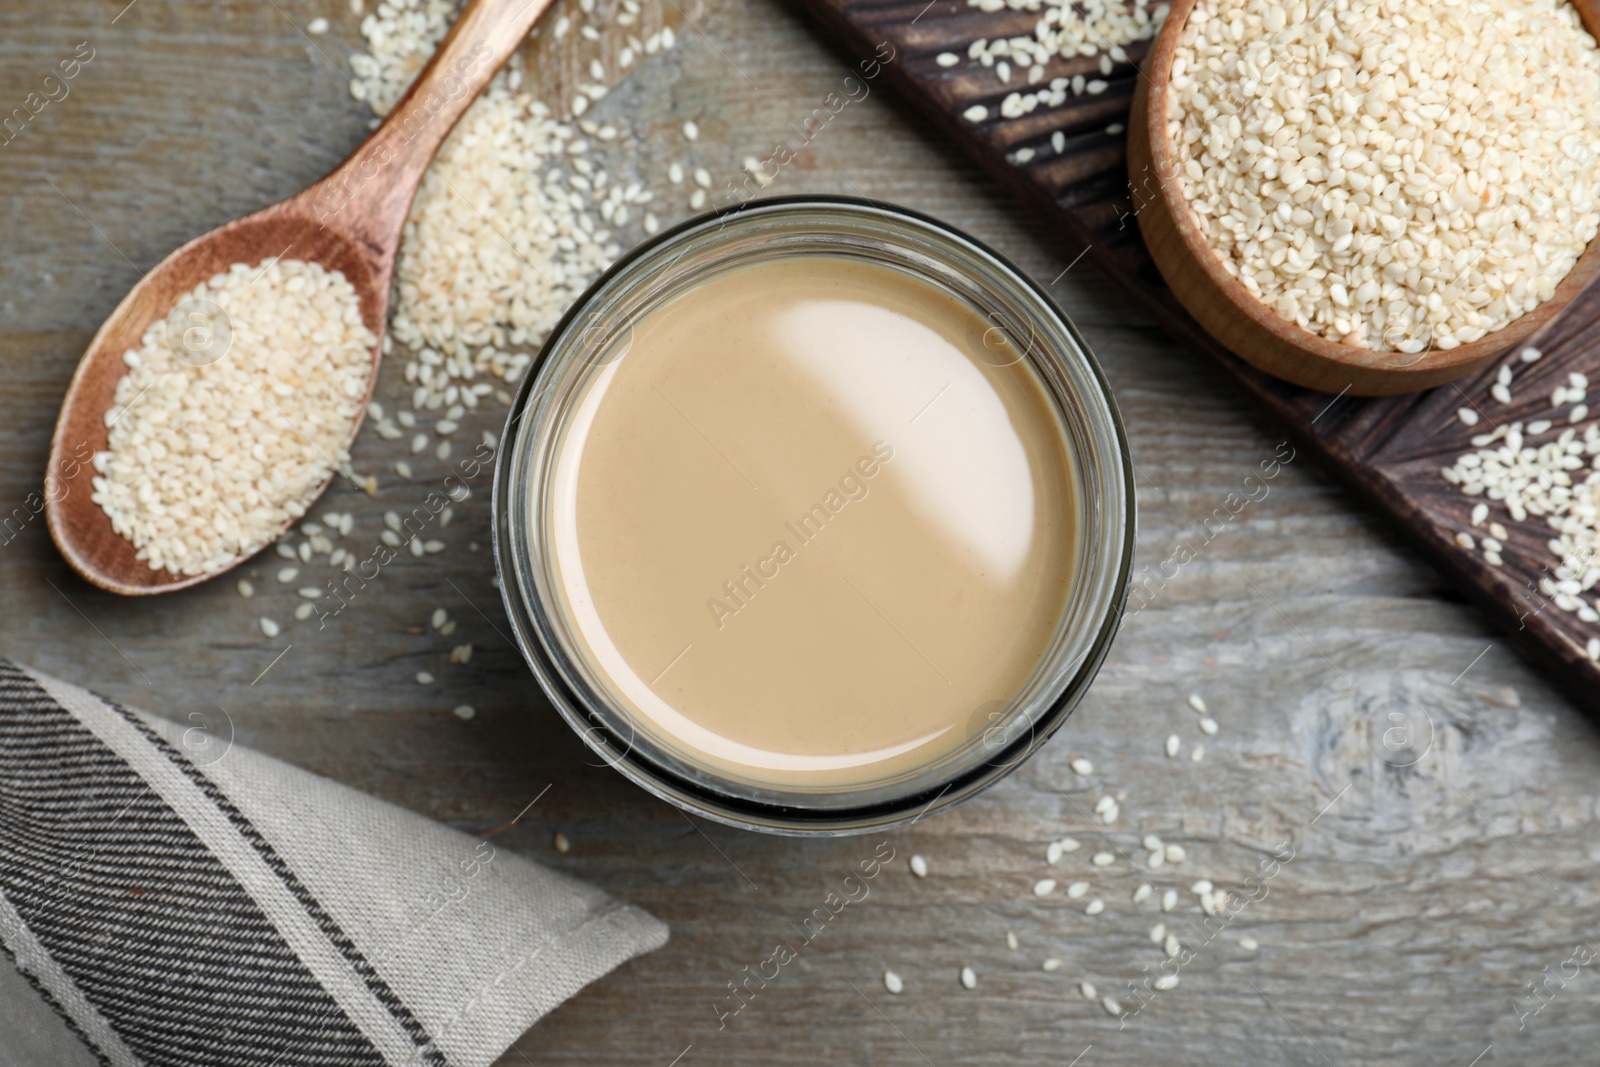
x=1021, y=319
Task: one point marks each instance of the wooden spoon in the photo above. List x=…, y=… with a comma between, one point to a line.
x=350, y=221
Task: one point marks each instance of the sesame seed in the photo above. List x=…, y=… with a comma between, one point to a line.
x=1077, y=889
x=1169, y=900
x=1467, y=416
x=1530, y=355
x=1171, y=945
x=892, y=982
x=270, y=628
x=1166, y=981
x=919, y=866
x=1249, y=944
x=246, y=590
x=1051, y=964
x=1197, y=754
x=691, y=130
x=1151, y=841
x=1088, y=990
x=976, y=113
x=303, y=611
x=438, y=618
x=1197, y=703
x=1081, y=766
x=317, y=26
x=1208, y=726
x=424, y=678
x=1103, y=859
x=1070, y=844
x=947, y=59
x=1052, y=852
x=969, y=978
x=1176, y=854
x=1011, y=940
x=1044, y=887
x=1174, y=743
x=1157, y=933
x=1111, y=1005
x=1142, y=894
x=561, y=843
x=1202, y=886
x=1095, y=907
x=465, y=712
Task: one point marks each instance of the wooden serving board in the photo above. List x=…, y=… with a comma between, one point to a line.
x=1390, y=450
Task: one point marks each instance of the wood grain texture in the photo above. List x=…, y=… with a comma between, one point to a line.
x=1418, y=905
x=1388, y=449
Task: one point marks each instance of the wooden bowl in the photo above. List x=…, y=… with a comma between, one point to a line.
x=1252, y=330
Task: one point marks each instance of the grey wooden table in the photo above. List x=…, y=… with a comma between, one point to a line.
x=1439, y=799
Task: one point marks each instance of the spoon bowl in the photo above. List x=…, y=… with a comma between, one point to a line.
x=349, y=221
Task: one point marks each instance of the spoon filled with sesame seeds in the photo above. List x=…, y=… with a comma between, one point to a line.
x=220, y=398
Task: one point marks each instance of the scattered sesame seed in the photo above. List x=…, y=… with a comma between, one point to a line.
x=1530, y=355
x=892, y=982
x=691, y=130
x=1171, y=945
x=1249, y=944
x=1467, y=416
x=1077, y=889
x=288, y=574
x=246, y=590
x=561, y=842
x=1176, y=854
x=1095, y=907
x=270, y=628
x=1158, y=933
x=465, y=712
x=1044, y=887
x=1052, y=852
x=1111, y=1005
x=1169, y=900
x=1208, y=726
x=1198, y=704
x=1142, y=894
x=1174, y=743
x=317, y=26
x=919, y=866
x=303, y=611
x=1103, y=859
x=1070, y=844
x=969, y=978
x=1011, y=940
x=1166, y=981
x=1081, y=766
x=976, y=113
x=1198, y=753
x=947, y=59
x=1051, y=964
x=1088, y=990
x=424, y=678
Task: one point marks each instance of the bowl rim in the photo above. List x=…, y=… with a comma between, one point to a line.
x=1157, y=74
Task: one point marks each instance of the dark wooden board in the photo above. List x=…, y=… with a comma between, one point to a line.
x=1389, y=450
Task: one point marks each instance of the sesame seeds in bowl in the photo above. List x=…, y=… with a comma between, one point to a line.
x=1351, y=198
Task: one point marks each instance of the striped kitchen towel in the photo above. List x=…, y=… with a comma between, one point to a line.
x=159, y=907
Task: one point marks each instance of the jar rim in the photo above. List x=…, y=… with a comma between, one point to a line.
x=1077, y=389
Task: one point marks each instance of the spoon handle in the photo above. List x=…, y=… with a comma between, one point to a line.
x=368, y=196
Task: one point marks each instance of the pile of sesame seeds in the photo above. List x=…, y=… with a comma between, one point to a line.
x=214, y=448
x=1147, y=856
x=515, y=217
x=1385, y=179
x=1547, y=467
